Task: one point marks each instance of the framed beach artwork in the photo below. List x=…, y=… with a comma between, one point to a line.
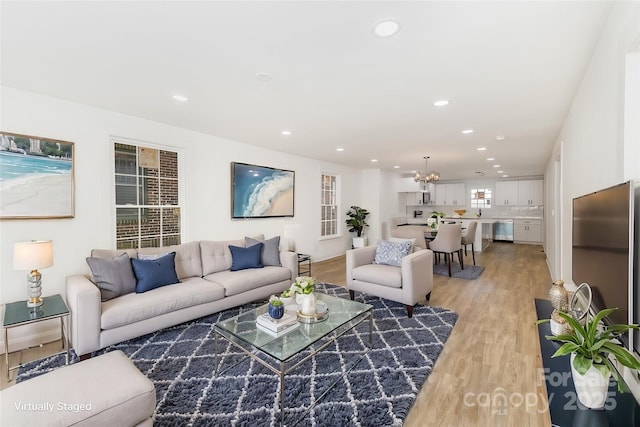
x=36, y=177
x=261, y=191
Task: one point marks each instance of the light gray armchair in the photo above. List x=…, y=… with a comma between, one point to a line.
x=406, y=284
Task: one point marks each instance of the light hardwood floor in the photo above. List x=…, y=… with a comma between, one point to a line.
x=493, y=352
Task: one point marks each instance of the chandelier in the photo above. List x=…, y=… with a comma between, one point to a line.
x=427, y=177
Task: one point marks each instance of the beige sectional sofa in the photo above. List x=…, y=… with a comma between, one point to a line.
x=206, y=286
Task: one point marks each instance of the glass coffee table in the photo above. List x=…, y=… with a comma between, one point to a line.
x=278, y=354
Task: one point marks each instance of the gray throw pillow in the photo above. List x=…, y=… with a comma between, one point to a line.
x=270, y=250
x=389, y=253
x=114, y=276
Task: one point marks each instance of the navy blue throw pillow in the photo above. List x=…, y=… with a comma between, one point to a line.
x=154, y=273
x=243, y=258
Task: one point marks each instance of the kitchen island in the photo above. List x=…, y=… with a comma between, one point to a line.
x=484, y=231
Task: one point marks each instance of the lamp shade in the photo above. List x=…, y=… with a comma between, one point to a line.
x=32, y=255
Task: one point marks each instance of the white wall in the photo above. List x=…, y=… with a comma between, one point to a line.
x=593, y=133
x=206, y=214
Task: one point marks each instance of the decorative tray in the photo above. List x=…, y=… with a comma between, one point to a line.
x=321, y=314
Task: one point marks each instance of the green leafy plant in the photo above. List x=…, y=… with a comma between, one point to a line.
x=286, y=293
x=593, y=346
x=356, y=221
x=275, y=301
x=304, y=285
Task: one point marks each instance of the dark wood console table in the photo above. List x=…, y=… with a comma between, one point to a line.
x=621, y=409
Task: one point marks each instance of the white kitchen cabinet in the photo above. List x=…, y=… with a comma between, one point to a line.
x=530, y=192
x=451, y=195
x=413, y=198
x=527, y=231
x=506, y=193
x=441, y=195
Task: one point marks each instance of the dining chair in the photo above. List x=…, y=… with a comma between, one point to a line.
x=411, y=232
x=447, y=242
x=468, y=238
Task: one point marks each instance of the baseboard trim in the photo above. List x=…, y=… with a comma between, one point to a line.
x=29, y=341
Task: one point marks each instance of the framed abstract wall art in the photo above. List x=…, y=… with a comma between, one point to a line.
x=261, y=191
x=36, y=177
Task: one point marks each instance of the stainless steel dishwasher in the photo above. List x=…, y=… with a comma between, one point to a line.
x=503, y=230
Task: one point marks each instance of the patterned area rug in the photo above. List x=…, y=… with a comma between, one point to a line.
x=470, y=272
x=378, y=391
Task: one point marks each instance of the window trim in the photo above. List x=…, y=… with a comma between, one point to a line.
x=180, y=152
x=336, y=191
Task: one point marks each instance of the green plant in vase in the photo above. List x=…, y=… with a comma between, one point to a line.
x=590, y=348
x=276, y=307
x=356, y=224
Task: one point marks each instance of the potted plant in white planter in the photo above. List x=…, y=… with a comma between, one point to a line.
x=356, y=223
x=590, y=349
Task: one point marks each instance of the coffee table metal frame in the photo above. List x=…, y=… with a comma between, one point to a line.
x=281, y=369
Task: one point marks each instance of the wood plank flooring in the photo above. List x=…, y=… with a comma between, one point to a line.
x=488, y=372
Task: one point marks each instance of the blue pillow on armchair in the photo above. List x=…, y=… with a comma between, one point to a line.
x=390, y=253
x=243, y=258
x=154, y=273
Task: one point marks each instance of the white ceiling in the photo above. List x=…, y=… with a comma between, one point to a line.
x=508, y=68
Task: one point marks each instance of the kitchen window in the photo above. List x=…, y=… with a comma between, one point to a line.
x=328, y=206
x=481, y=198
x=147, y=197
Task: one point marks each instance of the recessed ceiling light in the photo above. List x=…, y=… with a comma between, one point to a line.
x=374, y=160
x=180, y=98
x=264, y=77
x=500, y=137
x=396, y=167
x=496, y=166
x=481, y=148
x=441, y=103
x=505, y=176
x=491, y=159
x=286, y=132
x=500, y=171
x=340, y=149
x=386, y=28
x=467, y=131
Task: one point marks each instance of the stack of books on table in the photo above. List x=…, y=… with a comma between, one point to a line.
x=277, y=327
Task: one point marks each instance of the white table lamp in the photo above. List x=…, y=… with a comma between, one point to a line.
x=31, y=256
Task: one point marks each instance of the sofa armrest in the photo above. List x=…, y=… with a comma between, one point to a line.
x=290, y=260
x=358, y=257
x=83, y=299
x=417, y=275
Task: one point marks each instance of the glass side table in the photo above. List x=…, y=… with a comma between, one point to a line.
x=18, y=314
x=302, y=269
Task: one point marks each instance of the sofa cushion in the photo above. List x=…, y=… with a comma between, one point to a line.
x=153, y=256
x=243, y=258
x=188, y=260
x=154, y=273
x=114, y=276
x=390, y=253
x=216, y=255
x=131, y=308
x=380, y=274
x=236, y=282
x=270, y=251
x=112, y=253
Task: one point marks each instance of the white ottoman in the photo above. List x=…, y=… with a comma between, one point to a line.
x=107, y=390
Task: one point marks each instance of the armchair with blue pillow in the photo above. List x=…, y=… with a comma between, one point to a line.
x=392, y=271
